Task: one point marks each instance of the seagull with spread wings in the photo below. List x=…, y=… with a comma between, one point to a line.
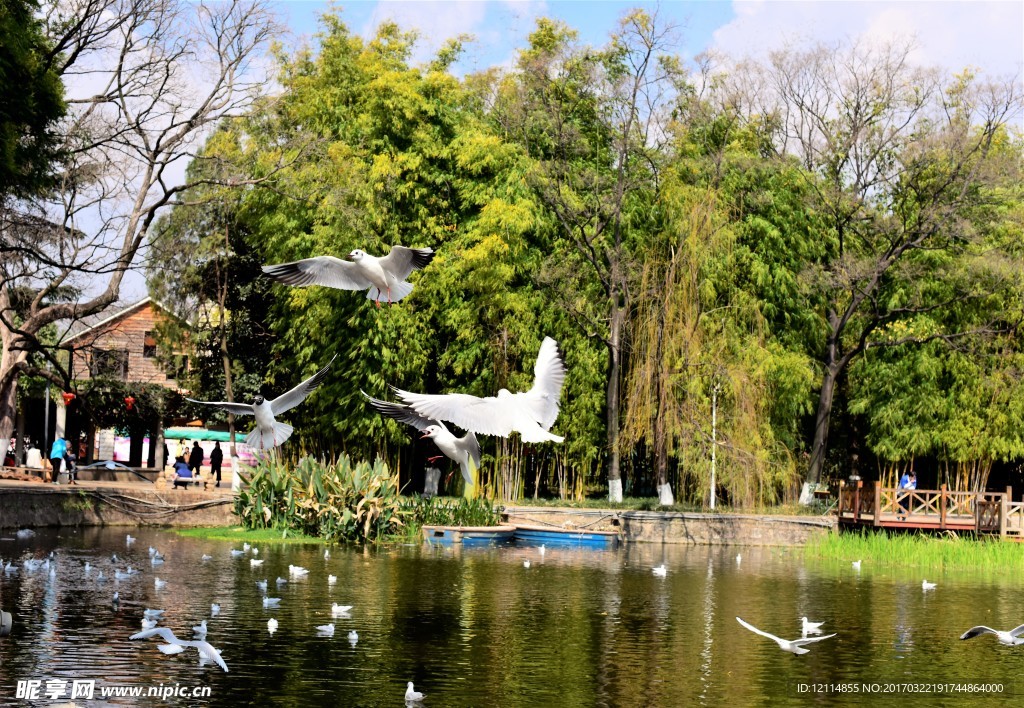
x=796, y=646
x=530, y=413
x=176, y=646
x=268, y=433
x=464, y=450
x=1012, y=637
x=363, y=272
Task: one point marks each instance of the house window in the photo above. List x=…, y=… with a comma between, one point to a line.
x=148, y=345
x=110, y=363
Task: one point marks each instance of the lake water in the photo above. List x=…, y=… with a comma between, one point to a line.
x=476, y=628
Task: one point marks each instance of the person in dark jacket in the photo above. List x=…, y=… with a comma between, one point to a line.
x=195, y=458
x=216, y=458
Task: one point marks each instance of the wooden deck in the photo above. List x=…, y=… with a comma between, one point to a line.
x=992, y=513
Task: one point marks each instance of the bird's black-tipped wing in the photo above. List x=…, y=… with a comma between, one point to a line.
x=298, y=394
x=403, y=414
x=235, y=408
x=980, y=629
x=402, y=261
x=323, y=270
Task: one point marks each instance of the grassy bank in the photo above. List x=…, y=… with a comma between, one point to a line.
x=920, y=551
x=239, y=534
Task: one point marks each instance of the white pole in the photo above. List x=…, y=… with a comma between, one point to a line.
x=714, y=438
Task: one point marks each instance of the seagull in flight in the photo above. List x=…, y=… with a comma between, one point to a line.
x=795, y=646
x=268, y=433
x=464, y=450
x=530, y=413
x=1013, y=637
x=176, y=646
x=379, y=276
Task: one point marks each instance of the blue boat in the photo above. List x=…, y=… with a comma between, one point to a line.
x=557, y=537
x=469, y=535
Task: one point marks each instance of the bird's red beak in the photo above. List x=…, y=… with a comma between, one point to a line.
x=425, y=435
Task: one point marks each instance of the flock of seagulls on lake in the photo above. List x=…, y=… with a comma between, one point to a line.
x=152, y=619
x=152, y=626
x=530, y=413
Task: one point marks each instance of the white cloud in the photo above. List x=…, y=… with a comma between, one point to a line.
x=436, y=21
x=954, y=35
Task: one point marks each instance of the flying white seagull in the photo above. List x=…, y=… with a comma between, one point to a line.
x=381, y=276
x=795, y=646
x=464, y=450
x=268, y=433
x=530, y=413
x=1013, y=637
x=176, y=646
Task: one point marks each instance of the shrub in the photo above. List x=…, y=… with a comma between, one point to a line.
x=337, y=501
x=451, y=512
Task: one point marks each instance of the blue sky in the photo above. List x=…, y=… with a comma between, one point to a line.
x=987, y=35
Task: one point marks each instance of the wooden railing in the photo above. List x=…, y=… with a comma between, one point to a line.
x=986, y=512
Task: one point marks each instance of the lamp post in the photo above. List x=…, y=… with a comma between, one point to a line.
x=714, y=438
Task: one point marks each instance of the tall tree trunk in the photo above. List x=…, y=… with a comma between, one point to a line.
x=222, y=296
x=615, y=363
x=823, y=415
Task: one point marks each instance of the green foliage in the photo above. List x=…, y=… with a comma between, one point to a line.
x=33, y=101
x=438, y=511
x=336, y=501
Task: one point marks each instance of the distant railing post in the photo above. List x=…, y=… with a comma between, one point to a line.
x=856, y=500
x=1004, y=508
x=842, y=484
x=942, y=508
x=877, y=512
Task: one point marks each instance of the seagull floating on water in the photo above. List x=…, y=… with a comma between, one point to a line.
x=661, y=571
x=739, y=558
x=332, y=579
x=297, y=571
x=214, y=609
x=856, y=565
x=200, y=628
x=281, y=581
x=255, y=551
x=129, y=539
x=796, y=646
x=327, y=554
x=353, y=637
x=385, y=275
x=526, y=563
x=811, y=627
x=235, y=553
x=337, y=609
x=463, y=451
x=160, y=584
x=176, y=646
x=411, y=695
x=1012, y=637
x=325, y=630
x=926, y=586
x=530, y=413
x=271, y=625
x=255, y=563
x=152, y=551
x=262, y=585
x=206, y=557
x=271, y=601
x=268, y=433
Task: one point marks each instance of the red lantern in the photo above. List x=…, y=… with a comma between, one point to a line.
x=129, y=401
x=68, y=397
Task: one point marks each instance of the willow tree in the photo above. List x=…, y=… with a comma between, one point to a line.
x=594, y=121
x=898, y=156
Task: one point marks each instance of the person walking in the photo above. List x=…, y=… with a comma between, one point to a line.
x=57, y=452
x=195, y=458
x=216, y=458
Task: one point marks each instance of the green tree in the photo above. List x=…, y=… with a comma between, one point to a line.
x=33, y=101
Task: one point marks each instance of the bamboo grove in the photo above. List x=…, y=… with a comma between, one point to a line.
x=824, y=244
